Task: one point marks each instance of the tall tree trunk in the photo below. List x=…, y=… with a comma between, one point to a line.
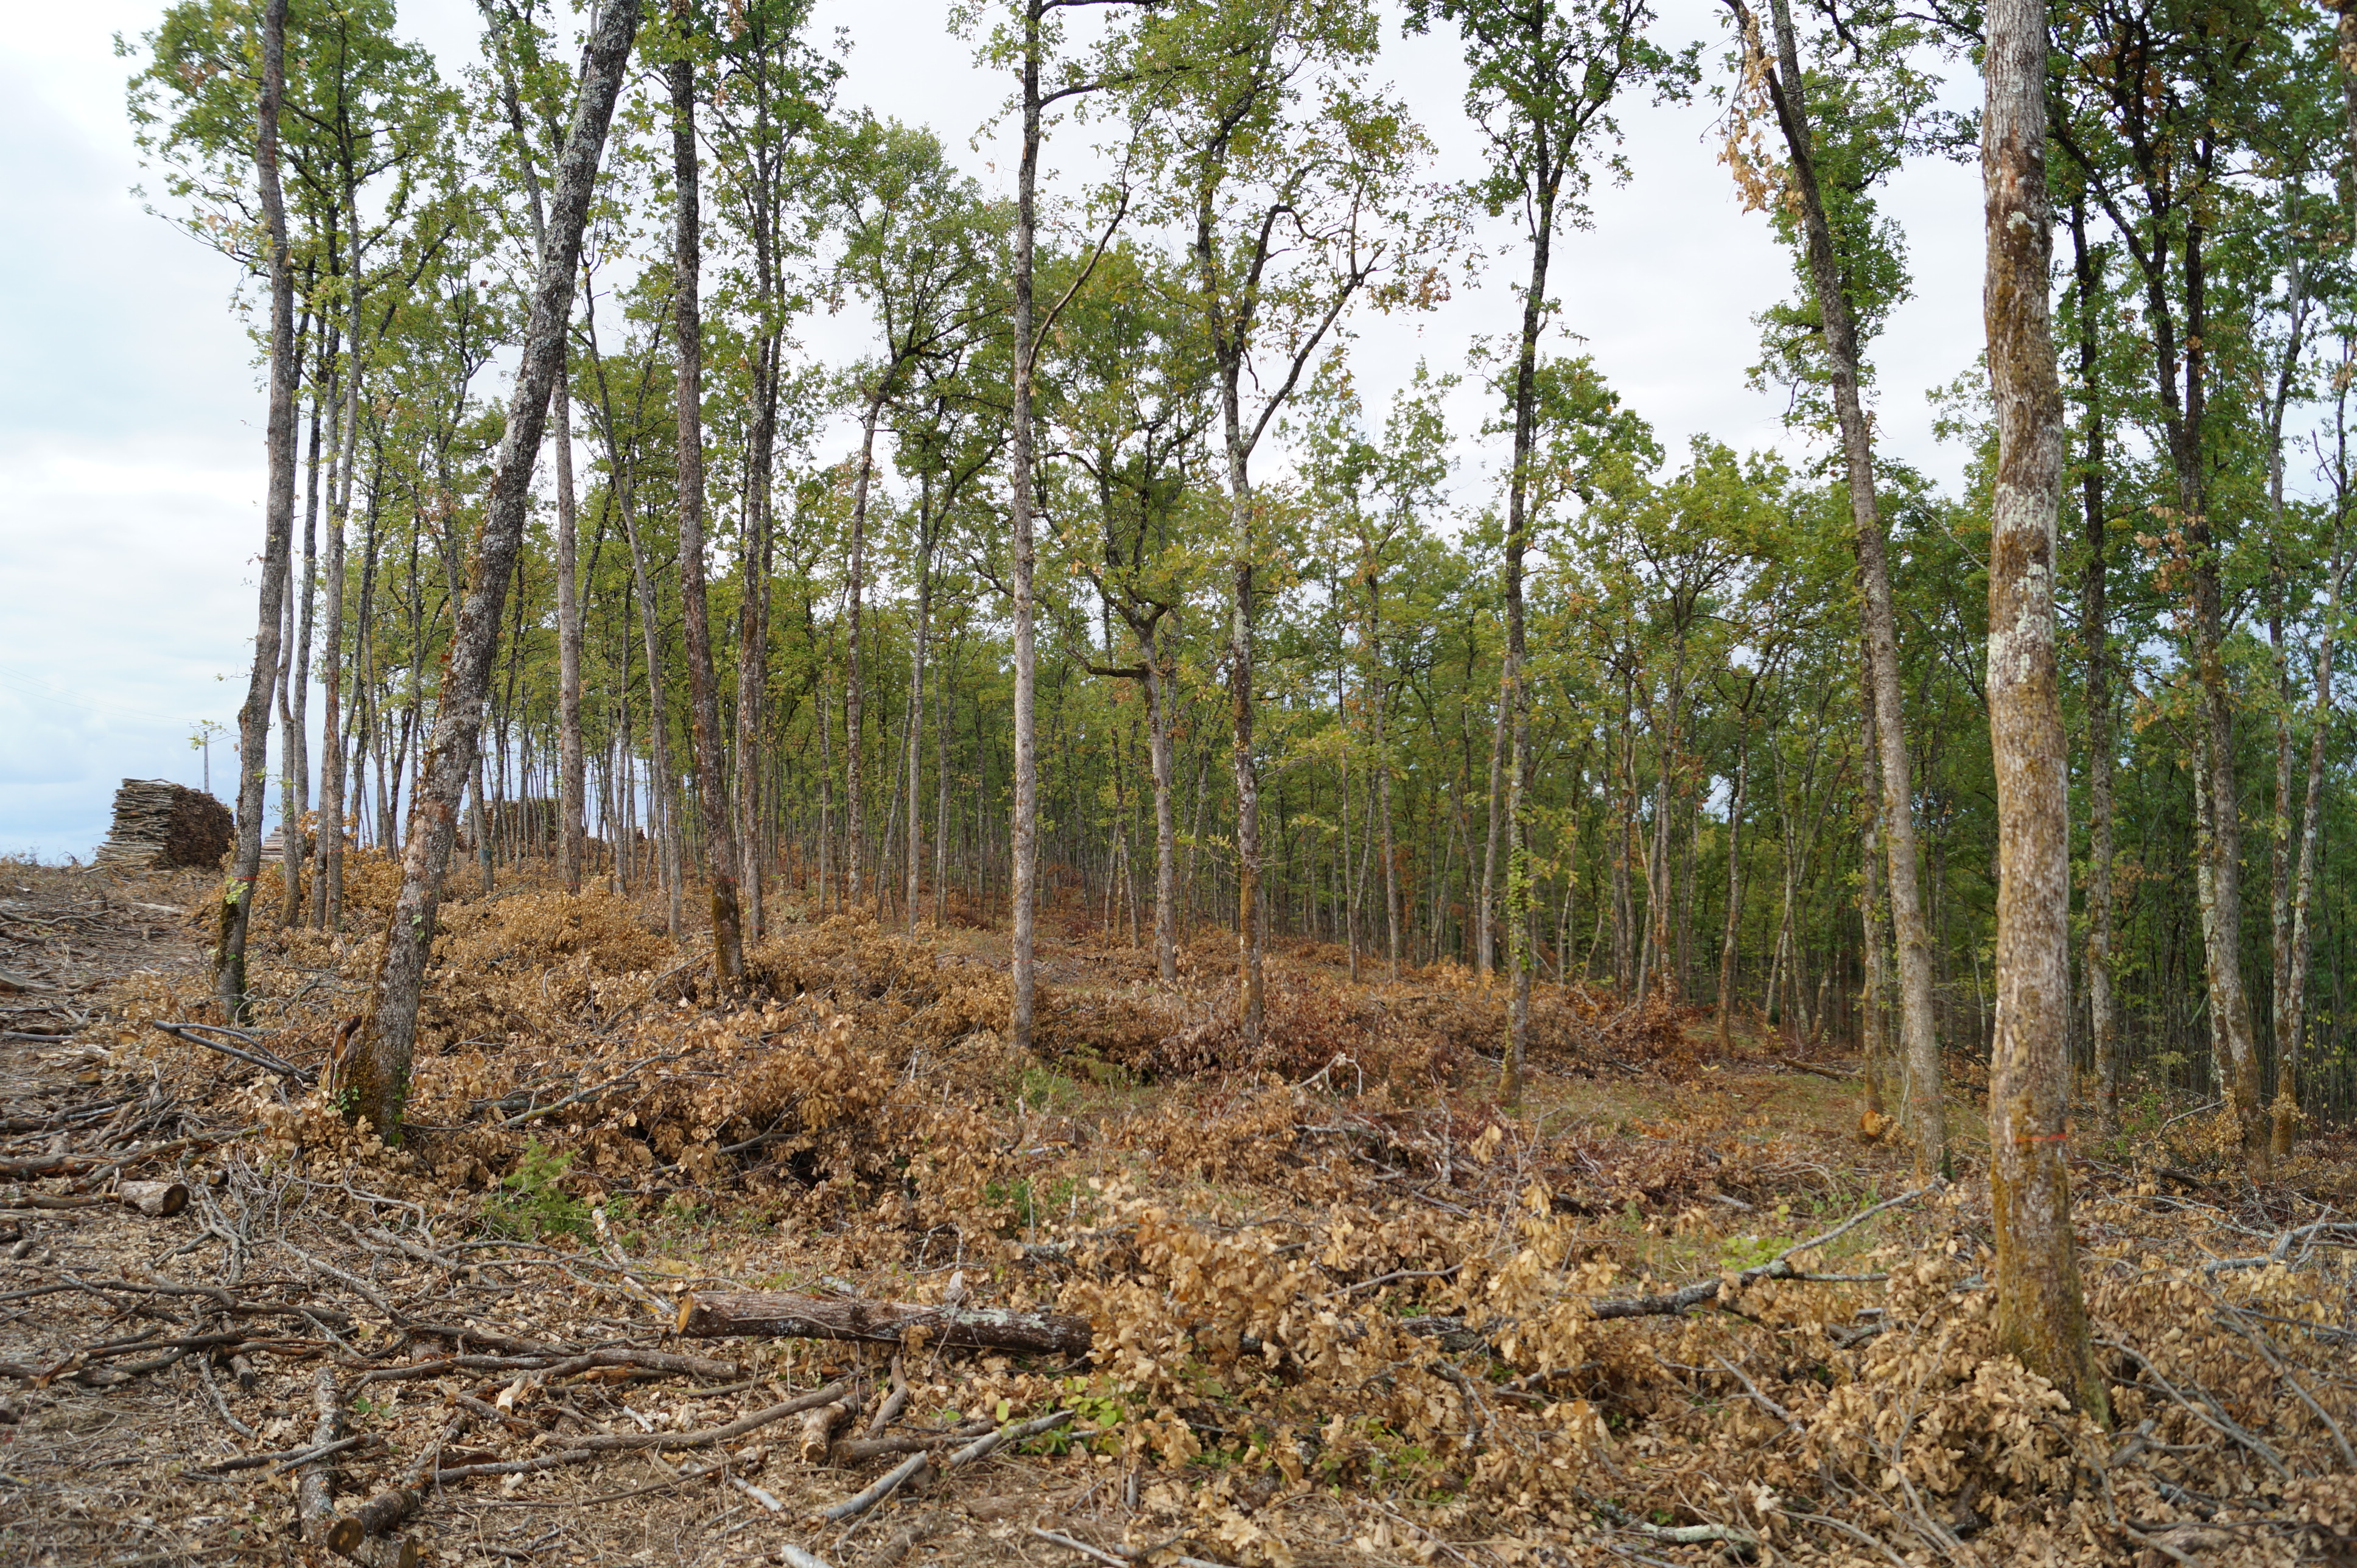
x=1025, y=830
x=1512, y=692
x=703, y=687
x=855, y=810
x=2291, y=1023
x=1878, y=1066
x=916, y=845
x=381, y=1083
x=1166, y=834
x=327, y=881
x=278, y=525
x=1485, y=948
x=2041, y=1314
x=753, y=629
x=2095, y=634
x=1923, y=1113
x=294, y=694
x=569, y=828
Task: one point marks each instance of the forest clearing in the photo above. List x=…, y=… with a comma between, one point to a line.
x=1334, y=1303
x=1097, y=932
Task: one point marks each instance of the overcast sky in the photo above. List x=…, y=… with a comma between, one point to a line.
x=131, y=471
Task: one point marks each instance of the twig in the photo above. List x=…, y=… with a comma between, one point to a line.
x=1791, y=1424
x=884, y=1486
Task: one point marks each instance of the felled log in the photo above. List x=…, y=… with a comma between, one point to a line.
x=783, y=1314
x=156, y=1200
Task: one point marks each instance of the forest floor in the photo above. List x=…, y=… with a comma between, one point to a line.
x=1320, y=1298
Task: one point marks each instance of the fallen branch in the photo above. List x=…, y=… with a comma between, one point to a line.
x=250, y=1053
x=607, y=1441
x=786, y=1316
x=314, y=1492
x=980, y=1447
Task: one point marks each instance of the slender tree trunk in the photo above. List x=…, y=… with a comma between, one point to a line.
x=1485, y=949
x=2095, y=634
x=1924, y=1114
x=278, y=524
x=1512, y=693
x=1024, y=830
x=702, y=685
x=2291, y=1022
x=569, y=829
x=328, y=882
x=381, y=1083
x=294, y=693
x=1166, y=833
x=855, y=811
x=2041, y=1314
x=1878, y=1066
x=916, y=846
x=1734, y=895
x=571, y=800
x=753, y=635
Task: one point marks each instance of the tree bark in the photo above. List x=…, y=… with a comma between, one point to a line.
x=380, y=1085
x=278, y=522
x=1923, y=1113
x=2041, y=1313
x=703, y=688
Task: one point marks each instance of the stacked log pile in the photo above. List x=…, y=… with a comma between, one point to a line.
x=160, y=825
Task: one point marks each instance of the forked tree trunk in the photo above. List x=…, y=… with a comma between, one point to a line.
x=279, y=523
x=2041, y=1314
x=703, y=688
x=1923, y=1113
x=381, y=1082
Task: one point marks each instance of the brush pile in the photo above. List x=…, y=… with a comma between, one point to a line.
x=881, y=1285
x=163, y=826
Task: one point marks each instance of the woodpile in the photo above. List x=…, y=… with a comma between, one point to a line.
x=159, y=825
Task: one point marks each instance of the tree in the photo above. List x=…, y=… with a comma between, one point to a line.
x=687, y=327
x=1289, y=215
x=278, y=522
x=1545, y=77
x=2041, y=1314
x=1837, y=292
x=918, y=245
x=379, y=1085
